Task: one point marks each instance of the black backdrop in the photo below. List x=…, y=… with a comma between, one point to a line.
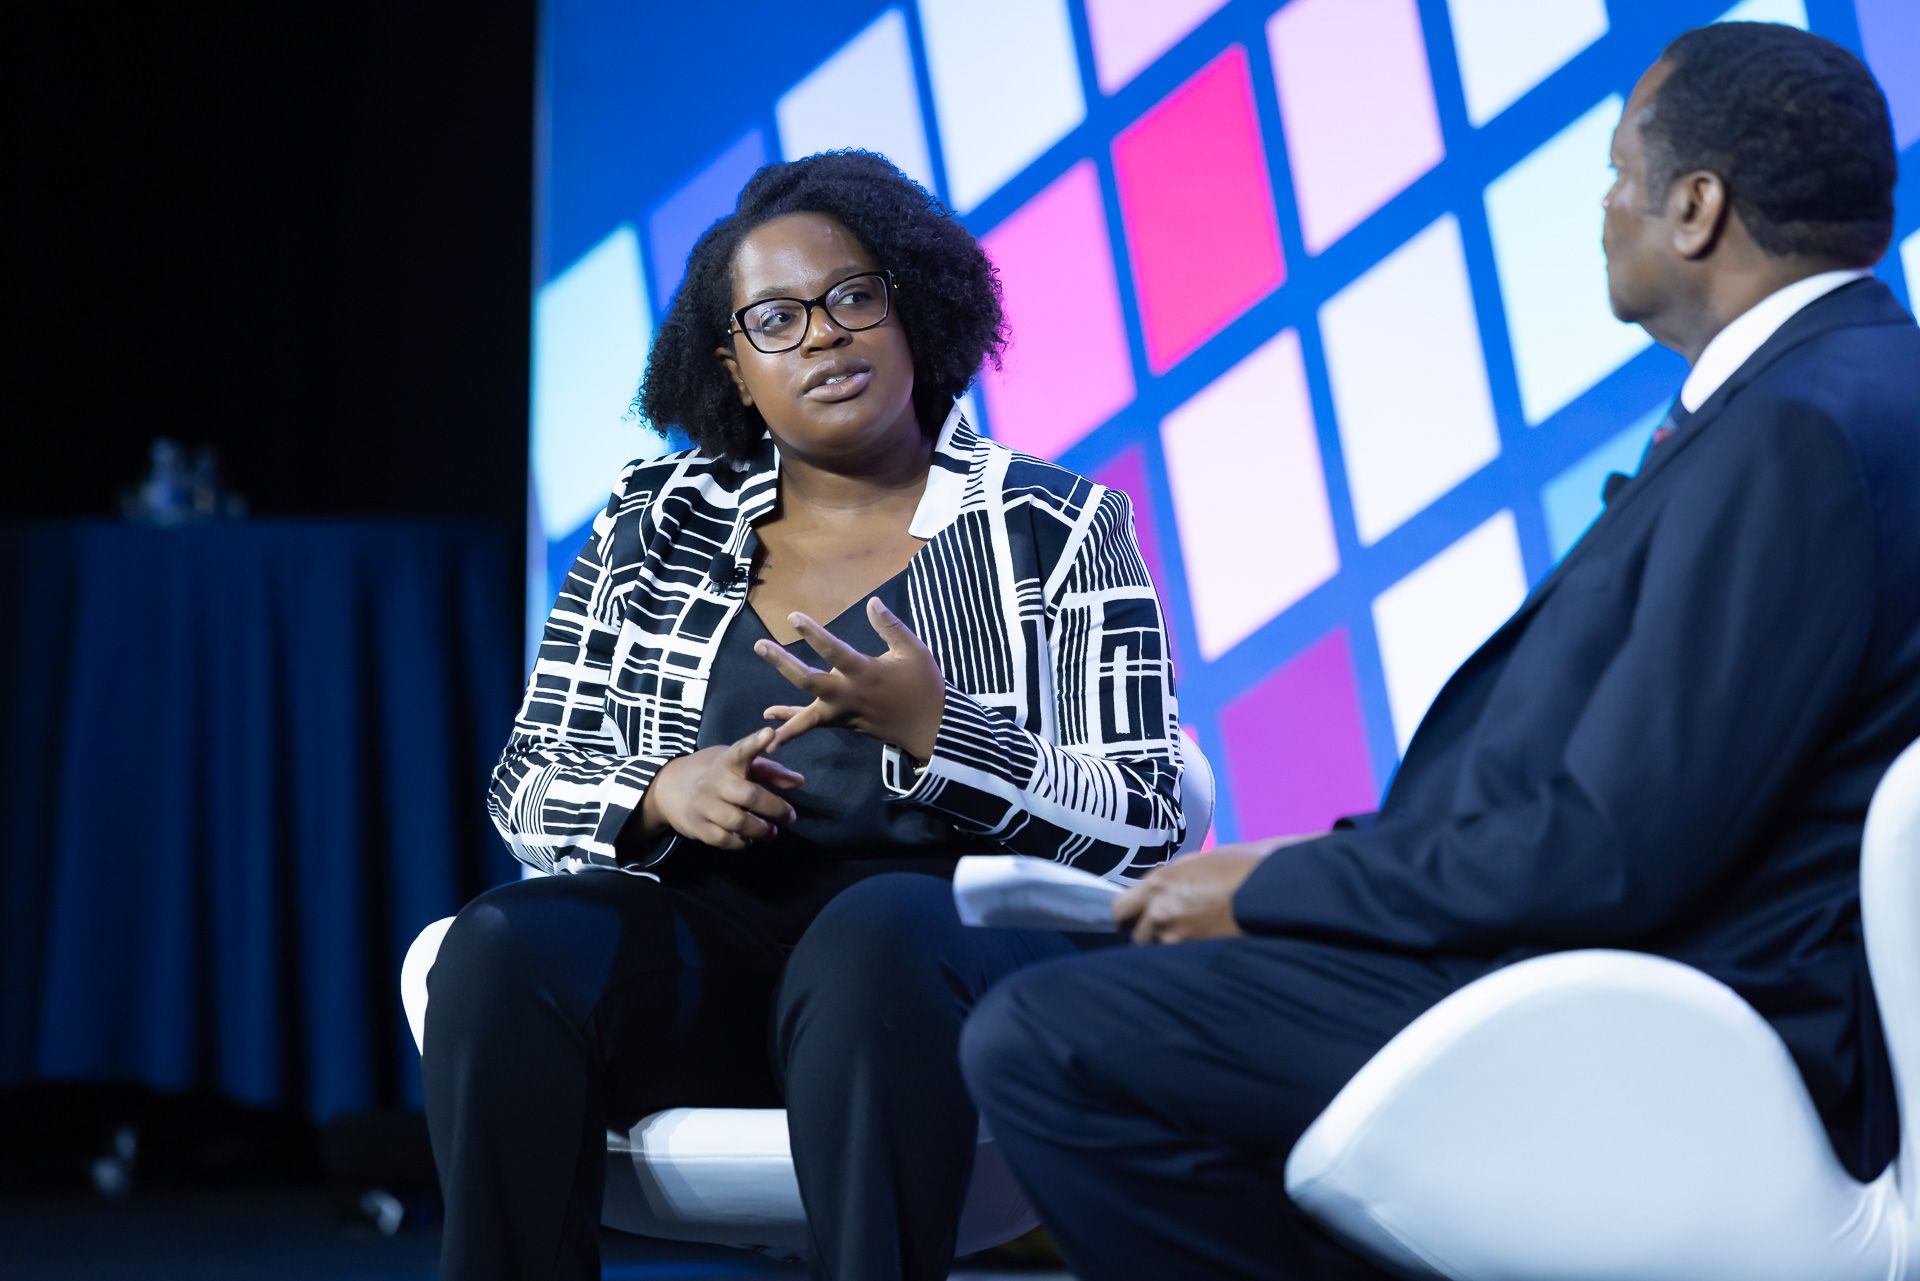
x=300, y=232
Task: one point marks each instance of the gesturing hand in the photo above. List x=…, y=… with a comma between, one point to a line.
x=896, y=697
x=719, y=796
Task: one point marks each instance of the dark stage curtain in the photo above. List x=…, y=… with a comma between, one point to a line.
x=243, y=764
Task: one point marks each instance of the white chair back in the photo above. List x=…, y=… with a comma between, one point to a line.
x=1890, y=914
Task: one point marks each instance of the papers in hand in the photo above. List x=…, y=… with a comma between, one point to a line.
x=1013, y=891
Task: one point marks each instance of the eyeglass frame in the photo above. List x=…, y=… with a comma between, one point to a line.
x=889, y=287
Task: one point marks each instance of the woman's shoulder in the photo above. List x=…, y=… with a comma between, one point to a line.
x=1040, y=480
x=654, y=474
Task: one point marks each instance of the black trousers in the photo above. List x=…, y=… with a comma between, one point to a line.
x=1147, y=1098
x=561, y=1006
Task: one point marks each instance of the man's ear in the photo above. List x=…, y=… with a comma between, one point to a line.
x=1697, y=209
x=732, y=364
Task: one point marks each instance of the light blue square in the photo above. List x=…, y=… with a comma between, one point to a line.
x=684, y=216
x=1572, y=499
x=864, y=96
x=1545, y=217
x=1006, y=86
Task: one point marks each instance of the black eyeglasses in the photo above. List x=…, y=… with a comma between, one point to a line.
x=774, y=325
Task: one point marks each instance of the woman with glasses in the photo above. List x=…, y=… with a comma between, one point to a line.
x=796, y=672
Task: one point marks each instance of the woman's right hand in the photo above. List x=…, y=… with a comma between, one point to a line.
x=720, y=796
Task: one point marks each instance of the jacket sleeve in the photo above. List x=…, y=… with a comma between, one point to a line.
x=563, y=790
x=1105, y=797
x=1741, y=640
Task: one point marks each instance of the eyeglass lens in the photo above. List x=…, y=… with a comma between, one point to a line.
x=777, y=324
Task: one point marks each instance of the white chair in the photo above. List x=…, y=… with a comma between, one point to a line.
x=1611, y=1116
x=725, y=1175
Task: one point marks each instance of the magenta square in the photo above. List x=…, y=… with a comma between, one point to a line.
x=1067, y=369
x=1356, y=105
x=1127, y=472
x=1197, y=204
x=1296, y=747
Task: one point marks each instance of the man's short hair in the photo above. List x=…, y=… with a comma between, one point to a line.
x=1793, y=124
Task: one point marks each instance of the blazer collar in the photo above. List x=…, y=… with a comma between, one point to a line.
x=1864, y=302
x=958, y=452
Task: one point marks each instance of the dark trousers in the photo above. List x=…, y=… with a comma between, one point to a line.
x=561, y=1006
x=1147, y=1097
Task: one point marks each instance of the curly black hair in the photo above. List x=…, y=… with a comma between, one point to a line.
x=947, y=296
x=1793, y=124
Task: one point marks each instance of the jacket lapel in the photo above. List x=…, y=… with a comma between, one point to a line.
x=1864, y=302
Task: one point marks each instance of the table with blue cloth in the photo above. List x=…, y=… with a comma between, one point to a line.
x=243, y=764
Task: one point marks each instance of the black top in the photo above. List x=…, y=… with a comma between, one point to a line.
x=844, y=809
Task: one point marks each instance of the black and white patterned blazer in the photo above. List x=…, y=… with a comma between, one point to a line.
x=1057, y=738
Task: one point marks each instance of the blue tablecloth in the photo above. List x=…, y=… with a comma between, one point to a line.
x=242, y=765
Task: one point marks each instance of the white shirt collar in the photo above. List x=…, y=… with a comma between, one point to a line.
x=1730, y=348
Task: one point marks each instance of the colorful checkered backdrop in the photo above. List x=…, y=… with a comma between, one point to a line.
x=1319, y=284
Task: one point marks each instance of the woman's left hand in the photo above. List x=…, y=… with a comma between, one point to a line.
x=896, y=697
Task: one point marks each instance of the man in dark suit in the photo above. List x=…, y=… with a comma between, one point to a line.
x=1670, y=747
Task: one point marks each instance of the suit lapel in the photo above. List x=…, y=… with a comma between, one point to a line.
x=1863, y=302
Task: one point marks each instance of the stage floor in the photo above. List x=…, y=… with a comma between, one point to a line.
x=295, y=1234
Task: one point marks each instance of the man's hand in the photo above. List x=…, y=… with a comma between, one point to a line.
x=1192, y=897
x=897, y=697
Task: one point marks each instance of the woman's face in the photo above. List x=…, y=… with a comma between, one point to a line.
x=838, y=394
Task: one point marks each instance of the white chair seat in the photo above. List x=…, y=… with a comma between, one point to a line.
x=1611, y=1116
x=1572, y=1116
x=725, y=1175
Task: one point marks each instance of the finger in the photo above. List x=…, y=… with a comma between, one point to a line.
x=838, y=654
x=771, y=773
x=716, y=836
x=781, y=712
x=887, y=625
x=797, y=673
x=759, y=801
x=748, y=827
x=806, y=718
x=742, y=753
x=1143, y=929
x=1131, y=902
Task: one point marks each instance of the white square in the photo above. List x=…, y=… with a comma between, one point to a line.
x=1910, y=263
x=1433, y=620
x=1006, y=86
x=590, y=336
x=1409, y=380
x=1545, y=217
x=864, y=96
x=1249, y=494
x=1791, y=12
x=1130, y=35
x=1506, y=47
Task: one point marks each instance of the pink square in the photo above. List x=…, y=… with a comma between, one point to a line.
x=1127, y=472
x=1198, y=207
x=1356, y=103
x=1296, y=745
x=1067, y=368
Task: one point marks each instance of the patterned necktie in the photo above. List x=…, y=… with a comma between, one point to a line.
x=1676, y=418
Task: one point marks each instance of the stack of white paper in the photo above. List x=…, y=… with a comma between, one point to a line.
x=1013, y=891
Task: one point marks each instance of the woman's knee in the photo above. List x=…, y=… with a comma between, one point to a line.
x=888, y=930
x=1003, y=1043
x=521, y=943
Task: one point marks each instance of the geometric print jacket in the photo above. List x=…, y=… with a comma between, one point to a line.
x=1057, y=736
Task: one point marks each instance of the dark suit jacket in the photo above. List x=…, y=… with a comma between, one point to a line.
x=1671, y=745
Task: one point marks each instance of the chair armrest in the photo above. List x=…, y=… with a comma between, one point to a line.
x=413, y=976
x=1586, y=1114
